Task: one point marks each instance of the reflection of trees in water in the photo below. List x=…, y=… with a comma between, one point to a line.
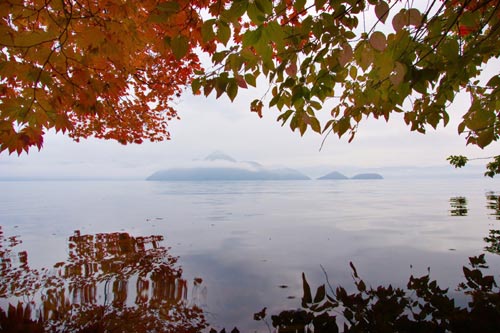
x=493, y=203
x=493, y=241
x=110, y=282
x=422, y=307
x=458, y=206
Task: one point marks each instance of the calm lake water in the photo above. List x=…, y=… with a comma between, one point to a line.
x=232, y=248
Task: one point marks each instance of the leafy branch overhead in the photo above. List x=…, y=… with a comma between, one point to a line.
x=109, y=69
x=113, y=69
x=492, y=168
x=413, y=60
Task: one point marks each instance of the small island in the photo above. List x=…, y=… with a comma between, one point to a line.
x=335, y=175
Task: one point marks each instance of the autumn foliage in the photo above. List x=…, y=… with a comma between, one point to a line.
x=104, y=68
x=329, y=67
x=113, y=69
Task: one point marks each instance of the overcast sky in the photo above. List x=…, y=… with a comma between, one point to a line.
x=208, y=124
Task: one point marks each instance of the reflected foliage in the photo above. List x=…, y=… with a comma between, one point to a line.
x=493, y=241
x=110, y=282
x=493, y=203
x=458, y=206
x=422, y=307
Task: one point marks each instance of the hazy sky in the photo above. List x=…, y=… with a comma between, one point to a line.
x=208, y=124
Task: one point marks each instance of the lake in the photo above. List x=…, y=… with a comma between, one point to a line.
x=231, y=248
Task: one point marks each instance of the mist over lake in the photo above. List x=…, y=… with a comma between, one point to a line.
x=243, y=245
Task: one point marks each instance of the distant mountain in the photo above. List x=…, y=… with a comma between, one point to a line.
x=219, y=156
x=219, y=166
x=368, y=176
x=333, y=175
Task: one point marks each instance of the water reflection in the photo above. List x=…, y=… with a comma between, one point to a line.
x=493, y=241
x=422, y=307
x=458, y=206
x=493, y=203
x=110, y=282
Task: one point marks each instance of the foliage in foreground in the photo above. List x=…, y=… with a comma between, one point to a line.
x=492, y=168
x=110, y=69
x=422, y=307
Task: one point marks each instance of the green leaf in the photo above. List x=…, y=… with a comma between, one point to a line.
x=252, y=37
x=302, y=123
x=180, y=46
x=195, y=86
x=275, y=32
x=265, y=6
x=450, y=49
x=232, y=90
x=207, y=30
x=223, y=32
x=315, y=125
x=458, y=161
x=250, y=80
x=284, y=116
x=494, y=82
x=220, y=86
x=218, y=57
x=342, y=126
x=299, y=5
x=255, y=15
x=236, y=11
x=316, y=105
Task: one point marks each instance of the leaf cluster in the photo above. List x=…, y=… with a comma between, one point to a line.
x=492, y=168
x=109, y=69
x=422, y=307
x=414, y=60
